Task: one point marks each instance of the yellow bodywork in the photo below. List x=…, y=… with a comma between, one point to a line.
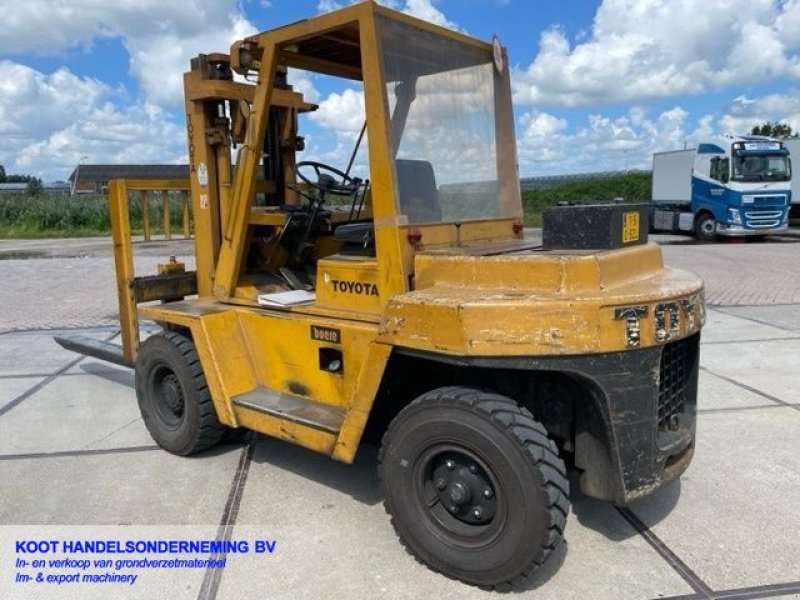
x=517, y=305
x=473, y=289
x=243, y=349
x=546, y=304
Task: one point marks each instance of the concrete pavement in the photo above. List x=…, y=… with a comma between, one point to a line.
x=77, y=463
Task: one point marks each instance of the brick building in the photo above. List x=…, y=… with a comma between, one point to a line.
x=93, y=179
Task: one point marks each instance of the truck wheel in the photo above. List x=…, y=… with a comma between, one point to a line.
x=474, y=487
x=173, y=396
x=705, y=227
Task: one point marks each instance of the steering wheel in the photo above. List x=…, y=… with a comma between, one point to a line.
x=326, y=183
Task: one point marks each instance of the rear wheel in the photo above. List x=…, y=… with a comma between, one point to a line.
x=705, y=227
x=173, y=396
x=475, y=488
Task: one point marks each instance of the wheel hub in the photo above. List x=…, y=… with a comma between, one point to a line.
x=459, y=493
x=169, y=402
x=172, y=394
x=464, y=488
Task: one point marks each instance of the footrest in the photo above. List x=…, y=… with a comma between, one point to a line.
x=293, y=408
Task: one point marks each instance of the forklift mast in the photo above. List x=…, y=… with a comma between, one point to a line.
x=218, y=110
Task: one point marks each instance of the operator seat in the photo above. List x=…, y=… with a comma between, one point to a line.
x=416, y=185
x=419, y=200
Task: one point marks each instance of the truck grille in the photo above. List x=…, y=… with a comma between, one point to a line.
x=764, y=211
x=677, y=364
x=763, y=218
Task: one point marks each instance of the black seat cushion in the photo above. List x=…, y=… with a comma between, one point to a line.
x=358, y=232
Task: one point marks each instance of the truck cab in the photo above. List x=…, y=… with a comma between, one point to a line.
x=741, y=187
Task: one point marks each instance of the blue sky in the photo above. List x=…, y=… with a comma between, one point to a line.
x=597, y=84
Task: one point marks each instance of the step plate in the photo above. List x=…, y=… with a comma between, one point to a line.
x=292, y=408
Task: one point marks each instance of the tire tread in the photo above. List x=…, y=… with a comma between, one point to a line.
x=210, y=430
x=532, y=438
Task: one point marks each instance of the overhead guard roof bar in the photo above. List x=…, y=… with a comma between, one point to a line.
x=329, y=44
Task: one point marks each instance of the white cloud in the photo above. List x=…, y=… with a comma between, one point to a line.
x=645, y=49
x=343, y=115
x=341, y=112
x=160, y=36
x=63, y=25
x=636, y=50
x=50, y=120
x=547, y=145
x=328, y=5
x=303, y=82
x=47, y=122
x=425, y=9
x=602, y=143
x=159, y=59
x=31, y=101
x=743, y=113
x=422, y=9
x=541, y=125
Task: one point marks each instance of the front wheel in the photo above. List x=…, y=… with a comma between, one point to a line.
x=705, y=228
x=173, y=396
x=475, y=488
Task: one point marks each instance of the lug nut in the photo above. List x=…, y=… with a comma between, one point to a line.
x=477, y=513
x=488, y=493
x=450, y=465
x=453, y=508
x=441, y=483
x=473, y=468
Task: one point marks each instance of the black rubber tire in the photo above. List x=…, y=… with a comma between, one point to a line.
x=520, y=460
x=705, y=227
x=173, y=395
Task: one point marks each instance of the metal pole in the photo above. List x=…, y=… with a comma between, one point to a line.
x=355, y=150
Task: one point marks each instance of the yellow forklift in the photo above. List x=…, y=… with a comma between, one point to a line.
x=406, y=305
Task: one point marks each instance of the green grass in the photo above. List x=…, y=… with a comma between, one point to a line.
x=56, y=215
x=631, y=187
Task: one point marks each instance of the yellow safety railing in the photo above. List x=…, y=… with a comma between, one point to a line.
x=154, y=191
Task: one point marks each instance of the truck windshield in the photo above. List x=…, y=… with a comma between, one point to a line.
x=762, y=167
x=445, y=108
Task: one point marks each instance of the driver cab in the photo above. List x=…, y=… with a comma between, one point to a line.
x=438, y=131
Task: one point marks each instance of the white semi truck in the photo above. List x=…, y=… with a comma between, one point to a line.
x=736, y=186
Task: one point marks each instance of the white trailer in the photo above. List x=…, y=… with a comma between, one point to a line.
x=672, y=176
x=672, y=191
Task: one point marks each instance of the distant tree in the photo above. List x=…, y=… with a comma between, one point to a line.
x=2, y=174
x=775, y=129
x=34, y=187
x=18, y=178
